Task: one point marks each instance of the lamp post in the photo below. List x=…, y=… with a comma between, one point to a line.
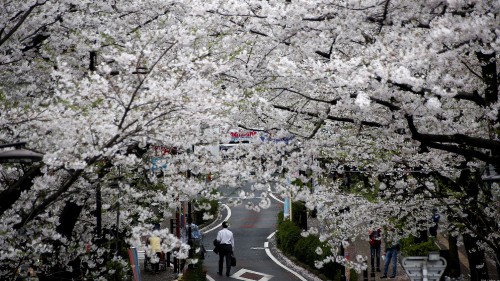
x=19, y=154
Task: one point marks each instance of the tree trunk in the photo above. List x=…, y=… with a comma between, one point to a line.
x=497, y=264
x=477, y=259
x=454, y=261
x=68, y=218
x=10, y=195
x=98, y=217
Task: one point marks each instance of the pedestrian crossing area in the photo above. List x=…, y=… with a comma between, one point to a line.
x=250, y=275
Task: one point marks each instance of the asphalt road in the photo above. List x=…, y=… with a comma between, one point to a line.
x=251, y=230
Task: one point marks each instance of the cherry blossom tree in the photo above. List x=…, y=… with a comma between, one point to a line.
x=94, y=86
x=401, y=96
x=402, y=92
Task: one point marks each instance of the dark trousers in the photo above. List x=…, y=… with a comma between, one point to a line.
x=156, y=265
x=225, y=252
x=375, y=256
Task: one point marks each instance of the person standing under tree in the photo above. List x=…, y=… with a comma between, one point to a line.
x=375, y=236
x=435, y=220
x=391, y=252
x=226, y=246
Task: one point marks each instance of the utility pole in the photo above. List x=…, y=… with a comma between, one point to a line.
x=190, y=240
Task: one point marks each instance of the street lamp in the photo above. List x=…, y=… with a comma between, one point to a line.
x=19, y=154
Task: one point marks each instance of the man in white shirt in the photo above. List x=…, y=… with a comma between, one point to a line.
x=226, y=240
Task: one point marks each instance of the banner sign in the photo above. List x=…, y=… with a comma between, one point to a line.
x=242, y=135
x=159, y=163
x=134, y=263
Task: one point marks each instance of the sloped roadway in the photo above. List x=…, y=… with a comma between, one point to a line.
x=251, y=231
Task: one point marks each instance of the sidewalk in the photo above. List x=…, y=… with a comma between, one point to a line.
x=442, y=243
x=169, y=274
x=362, y=247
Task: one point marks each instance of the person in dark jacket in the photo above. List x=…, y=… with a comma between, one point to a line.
x=375, y=241
x=435, y=220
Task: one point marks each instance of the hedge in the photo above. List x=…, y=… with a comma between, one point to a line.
x=303, y=249
x=410, y=248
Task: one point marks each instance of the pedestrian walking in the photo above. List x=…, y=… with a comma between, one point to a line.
x=155, y=243
x=392, y=246
x=375, y=241
x=226, y=246
x=435, y=222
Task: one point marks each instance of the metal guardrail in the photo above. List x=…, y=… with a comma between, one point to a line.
x=428, y=268
x=141, y=254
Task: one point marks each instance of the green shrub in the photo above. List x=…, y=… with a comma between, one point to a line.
x=354, y=275
x=195, y=273
x=280, y=217
x=299, y=214
x=303, y=249
x=115, y=271
x=410, y=248
x=287, y=236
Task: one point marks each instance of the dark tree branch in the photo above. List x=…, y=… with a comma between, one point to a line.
x=318, y=125
x=436, y=142
x=19, y=22
x=68, y=218
x=329, y=54
x=11, y=194
x=148, y=22
x=489, y=75
x=329, y=117
x=328, y=16
x=381, y=19
x=258, y=32
x=332, y=102
x=236, y=15
x=138, y=87
x=389, y=105
x=474, y=96
x=36, y=210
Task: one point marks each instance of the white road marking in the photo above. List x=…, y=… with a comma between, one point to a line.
x=274, y=197
x=226, y=219
x=268, y=252
x=239, y=273
x=266, y=247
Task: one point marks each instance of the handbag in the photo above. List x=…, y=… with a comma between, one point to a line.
x=233, y=261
